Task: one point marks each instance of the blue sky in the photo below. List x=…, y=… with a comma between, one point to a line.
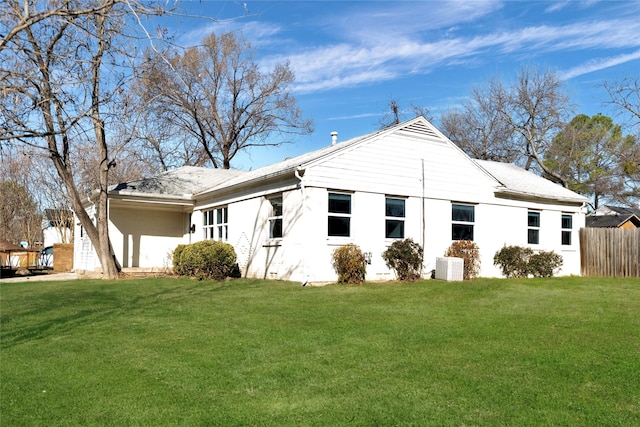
x=352, y=58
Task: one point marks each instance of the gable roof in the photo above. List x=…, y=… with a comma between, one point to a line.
x=608, y=216
x=416, y=126
x=518, y=182
x=190, y=182
x=611, y=221
x=616, y=210
x=179, y=183
x=288, y=166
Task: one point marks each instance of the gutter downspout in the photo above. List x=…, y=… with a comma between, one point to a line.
x=297, y=174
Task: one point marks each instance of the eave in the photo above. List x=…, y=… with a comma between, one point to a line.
x=506, y=193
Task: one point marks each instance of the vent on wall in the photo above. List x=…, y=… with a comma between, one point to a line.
x=421, y=128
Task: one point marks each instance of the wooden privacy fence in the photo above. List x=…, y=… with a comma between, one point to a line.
x=612, y=252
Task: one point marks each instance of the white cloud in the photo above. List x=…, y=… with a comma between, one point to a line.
x=381, y=41
x=598, y=64
x=350, y=64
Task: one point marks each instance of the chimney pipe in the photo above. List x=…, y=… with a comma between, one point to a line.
x=334, y=137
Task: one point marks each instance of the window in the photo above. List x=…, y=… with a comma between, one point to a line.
x=275, y=218
x=394, y=218
x=462, y=218
x=533, y=232
x=567, y=225
x=215, y=224
x=339, y=223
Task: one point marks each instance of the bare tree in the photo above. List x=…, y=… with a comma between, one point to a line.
x=158, y=144
x=20, y=214
x=536, y=108
x=62, y=70
x=624, y=94
x=515, y=122
x=217, y=94
x=395, y=114
x=478, y=128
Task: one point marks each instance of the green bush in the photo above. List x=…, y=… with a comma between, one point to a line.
x=177, y=264
x=469, y=252
x=513, y=261
x=405, y=258
x=350, y=264
x=208, y=259
x=544, y=264
x=517, y=261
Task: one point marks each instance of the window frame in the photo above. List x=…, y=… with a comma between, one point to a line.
x=459, y=223
x=566, y=231
x=215, y=223
x=335, y=216
x=390, y=218
x=275, y=217
x=533, y=230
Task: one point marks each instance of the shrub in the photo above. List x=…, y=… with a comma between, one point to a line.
x=544, y=264
x=208, y=259
x=405, y=258
x=176, y=257
x=350, y=264
x=516, y=261
x=469, y=252
x=513, y=261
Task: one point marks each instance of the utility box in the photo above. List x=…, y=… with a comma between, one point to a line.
x=449, y=269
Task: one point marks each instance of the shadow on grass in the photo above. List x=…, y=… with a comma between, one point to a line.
x=64, y=310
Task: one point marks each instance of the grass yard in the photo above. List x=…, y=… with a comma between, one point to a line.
x=155, y=352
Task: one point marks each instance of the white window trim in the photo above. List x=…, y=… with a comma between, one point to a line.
x=216, y=226
x=471, y=223
x=272, y=217
x=403, y=218
x=531, y=227
x=343, y=215
x=570, y=230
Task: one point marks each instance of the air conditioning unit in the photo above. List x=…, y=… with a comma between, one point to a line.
x=449, y=269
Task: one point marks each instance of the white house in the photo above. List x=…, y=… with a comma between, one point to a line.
x=284, y=220
x=56, y=226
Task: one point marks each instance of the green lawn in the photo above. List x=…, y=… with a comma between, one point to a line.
x=181, y=352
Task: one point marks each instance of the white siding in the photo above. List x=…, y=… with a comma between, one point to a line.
x=146, y=238
x=84, y=255
x=394, y=165
x=370, y=172
x=52, y=235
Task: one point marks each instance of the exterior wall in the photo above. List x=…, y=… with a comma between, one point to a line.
x=248, y=232
x=142, y=236
x=146, y=238
x=84, y=254
x=370, y=174
x=505, y=223
x=398, y=165
x=52, y=235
